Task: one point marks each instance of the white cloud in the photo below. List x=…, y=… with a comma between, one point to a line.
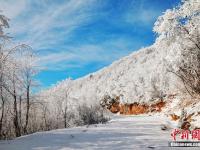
x=34, y=22
x=73, y=57
x=140, y=15
x=12, y=8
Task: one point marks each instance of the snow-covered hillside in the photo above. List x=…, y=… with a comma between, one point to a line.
x=141, y=76
x=145, y=75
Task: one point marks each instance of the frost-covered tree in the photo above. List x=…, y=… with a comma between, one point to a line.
x=182, y=25
x=27, y=72
x=3, y=24
x=17, y=70
x=3, y=62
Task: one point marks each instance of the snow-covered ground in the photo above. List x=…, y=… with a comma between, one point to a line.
x=122, y=132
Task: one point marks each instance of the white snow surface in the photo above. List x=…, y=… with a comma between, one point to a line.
x=122, y=132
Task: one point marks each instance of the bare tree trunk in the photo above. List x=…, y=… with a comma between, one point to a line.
x=20, y=111
x=2, y=113
x=15, y=120
x=27, y=108
x=2, y=104
x=65, y=117
x=45, y=119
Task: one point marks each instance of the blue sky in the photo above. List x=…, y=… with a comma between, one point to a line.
x=75, y=37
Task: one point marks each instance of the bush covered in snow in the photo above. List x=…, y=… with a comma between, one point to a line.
x=91, y=115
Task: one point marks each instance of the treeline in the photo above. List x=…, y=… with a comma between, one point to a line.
x=17, y=69
x=21, y=111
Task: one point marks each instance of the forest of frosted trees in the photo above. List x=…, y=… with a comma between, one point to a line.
x=23, y=111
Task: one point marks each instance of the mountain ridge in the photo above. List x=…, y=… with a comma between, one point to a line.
x=132, y=76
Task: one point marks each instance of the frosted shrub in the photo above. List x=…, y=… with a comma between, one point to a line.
x=91, y=115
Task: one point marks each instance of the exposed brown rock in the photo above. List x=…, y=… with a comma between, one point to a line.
x=189, y=117
x=185, y=125
x=184, y=120
x=136, y=108
x=157, y=107
x=115, y=107
x=174, y=117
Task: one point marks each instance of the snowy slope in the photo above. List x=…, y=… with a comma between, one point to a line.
x=134, y=132
x=140, y=77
